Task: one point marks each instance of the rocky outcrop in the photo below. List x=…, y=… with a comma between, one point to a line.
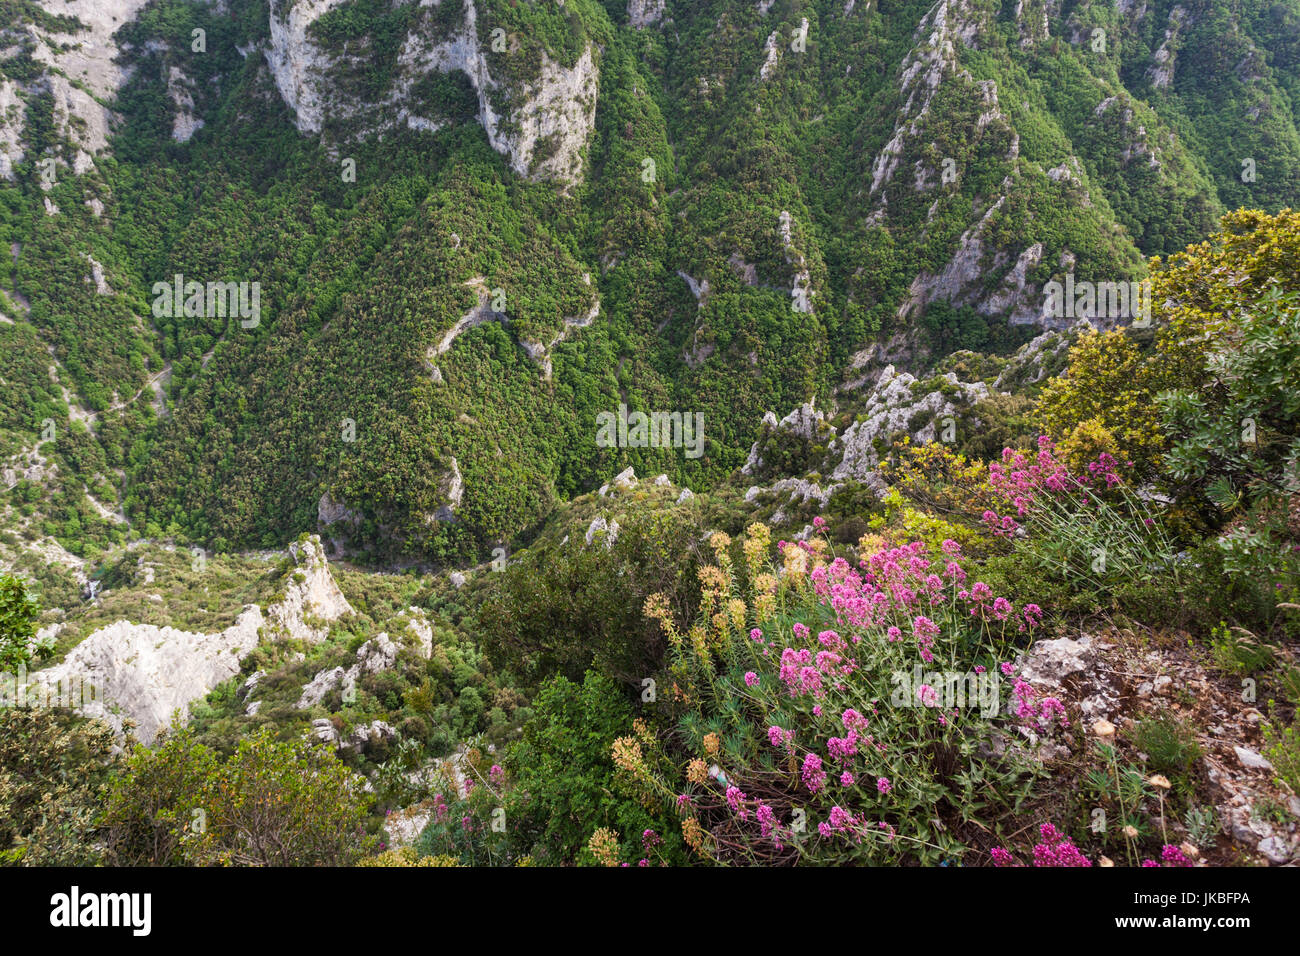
x=644, y=13
x=540, y=124
x=311, y=599
x=625, y=480
x=75, y=54
x=1161, y=72
x=12, y=121
x=184, y=123
x=147, y=673
x=602, y=530
x=804, y=422
x=375, y=655
x=1040, y=357
x=895, y=406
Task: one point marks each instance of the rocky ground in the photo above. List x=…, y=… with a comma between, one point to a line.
x=1124, y=675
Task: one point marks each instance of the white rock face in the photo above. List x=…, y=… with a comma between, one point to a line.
x=805, y=422
x=12, y=120
x=556, y=110
x=311, y=604
x=375, y=655
x=890, y=409
x=184, y=123
x=772, y=58
x=607, y=530
x=146, y=673
x=1050, y=663
x=644, y=13
x=80, y=73
x=299, y=66
x=420, y=631
x=801, y=291
x=1161, y=74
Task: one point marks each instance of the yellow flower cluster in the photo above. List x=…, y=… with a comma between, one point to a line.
x=693, y=834
x=758, y=540
x=604, y=846
x=627, y=755
x=697, y=772
x=656, y=608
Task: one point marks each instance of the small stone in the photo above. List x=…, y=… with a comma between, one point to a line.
x=1273, y=848
x=1251, y=759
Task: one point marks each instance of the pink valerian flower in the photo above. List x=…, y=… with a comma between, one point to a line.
x=792, y=662
x=831, y=640
x=817, y=710
x=883, y=785
x=810, y=682
x=1033, y=615
x=894, y=634
x=1002, y=858
x=1035, y=713
x=819, y=522
x=469, y=786
x=1171, y=856
x=683, y=802
x=924, y=645
x=650, y=839
x=496, y=776
x=843, y=822
x=827, y=661
x=843, y=748
x=779, y=737
x=736, y=800
x=1007, y=668
x=1001, y=608
x=756, y=635
x=1056, y=849
x=750, y=678
x=852, y=720
x=801, y=631
x=439, y=807
x=768, y=825
x=954, y=572
x=950, y=547
x=927, y=695
x=922, y=626
x=814, y=777
x=846, y=779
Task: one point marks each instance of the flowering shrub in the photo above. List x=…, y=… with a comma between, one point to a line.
x=467, y=820
x=1088, y=525
x=1054, y=849
x=839, y=711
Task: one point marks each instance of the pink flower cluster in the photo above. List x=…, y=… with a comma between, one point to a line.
x=1021, y=479
x=1170, y=855
x=1055, y=849
x=1035, y=712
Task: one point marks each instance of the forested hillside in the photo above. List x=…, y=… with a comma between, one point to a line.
x=585, y=411
x=766, y=194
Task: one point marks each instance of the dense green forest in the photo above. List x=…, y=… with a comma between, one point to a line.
x=1014, y=130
